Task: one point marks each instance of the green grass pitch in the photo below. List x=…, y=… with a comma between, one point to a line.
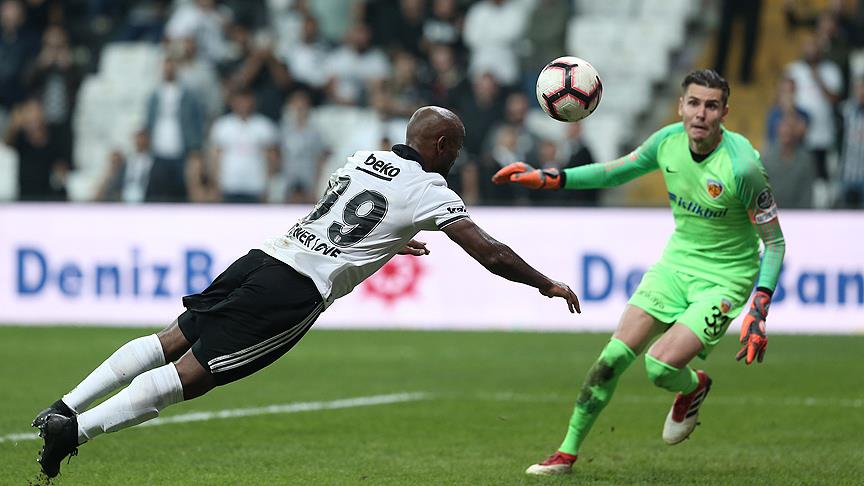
x=494, y=404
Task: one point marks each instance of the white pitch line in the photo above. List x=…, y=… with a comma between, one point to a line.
x=661, y=398
x=268, y=410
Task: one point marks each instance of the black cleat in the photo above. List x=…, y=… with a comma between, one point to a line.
x=61, y=439
x=58, y=408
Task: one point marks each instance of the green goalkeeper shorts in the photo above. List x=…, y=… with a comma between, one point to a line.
x=705, y=307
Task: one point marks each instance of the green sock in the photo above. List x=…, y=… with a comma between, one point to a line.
x=596, y=392
x=683, y=380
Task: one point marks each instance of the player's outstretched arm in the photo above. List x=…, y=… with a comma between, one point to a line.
x=591, y=176
x=501, y=260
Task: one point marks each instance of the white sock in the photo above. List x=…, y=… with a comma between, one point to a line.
x=141, y=401
x=132, y=359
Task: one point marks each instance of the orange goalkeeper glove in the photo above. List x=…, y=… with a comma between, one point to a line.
x=753, y=335
x=525, y=175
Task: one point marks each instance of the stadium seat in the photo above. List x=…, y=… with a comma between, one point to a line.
x=110, y=109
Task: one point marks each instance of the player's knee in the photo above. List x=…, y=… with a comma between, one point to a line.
x=660, y=373
x=196, y=380
x=173, y=342
x=617, y=356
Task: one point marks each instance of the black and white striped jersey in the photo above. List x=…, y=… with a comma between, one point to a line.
x=373, y=206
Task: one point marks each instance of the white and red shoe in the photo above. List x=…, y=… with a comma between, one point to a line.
x=558, y=463
x=682, y=418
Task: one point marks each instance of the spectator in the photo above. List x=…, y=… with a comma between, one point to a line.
x=749, y=11
x=200, y=77
x=548, y=156
x=257, y=69
x=579, y=155
x=493, y=30
x=303, y=150
x=516, y=107
x=852, y=156
x=790, y=166
x=355, y=69
x=401, y=93
x=335, y=17
x=396, y=28
x=54, y=79
x=174, y=125
x=508, y=141
x=819, y=83
x=306, y=58
x=145, y=22
x=445, y=79
x=254, y=13
x=200, y=182
x=205, y=22
x=127, y=177
x=784, y=105
x=504, y=149
x=444, y=27
x=245, y=153
x=547, y=32
x=286, y=18
x=17, y=47
x=42, y=171
x=848, y=15
x=834, y=44
x=480, y=109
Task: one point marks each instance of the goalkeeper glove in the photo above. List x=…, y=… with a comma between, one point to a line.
x=753, y=335
x=525, y=175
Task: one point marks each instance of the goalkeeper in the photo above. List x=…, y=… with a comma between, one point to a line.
x=722, y=205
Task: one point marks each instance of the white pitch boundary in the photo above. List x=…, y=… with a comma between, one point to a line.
x=496, y=397
x=268, y=410
x=664, y=398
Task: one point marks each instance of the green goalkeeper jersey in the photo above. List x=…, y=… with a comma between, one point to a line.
x=722, y=205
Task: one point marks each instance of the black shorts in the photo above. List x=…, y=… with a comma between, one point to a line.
x=251, y=315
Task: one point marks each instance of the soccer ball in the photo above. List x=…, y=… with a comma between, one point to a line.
x=569, y=89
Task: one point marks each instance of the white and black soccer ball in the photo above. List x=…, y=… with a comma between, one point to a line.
x=569, y=89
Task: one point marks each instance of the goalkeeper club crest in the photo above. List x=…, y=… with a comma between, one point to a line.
x=396, y=279
x=715, y=188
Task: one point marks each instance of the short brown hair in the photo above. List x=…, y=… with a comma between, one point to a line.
x=708, y=78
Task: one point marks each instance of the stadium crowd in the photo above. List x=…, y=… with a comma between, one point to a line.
x=230, y=119
x=814, y=147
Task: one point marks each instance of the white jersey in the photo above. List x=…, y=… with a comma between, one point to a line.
x=373, y=206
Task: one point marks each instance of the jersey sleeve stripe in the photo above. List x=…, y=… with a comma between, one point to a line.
x=452, y=220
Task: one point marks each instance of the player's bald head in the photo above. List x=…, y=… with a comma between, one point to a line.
x=436, y=134
x=432, y=122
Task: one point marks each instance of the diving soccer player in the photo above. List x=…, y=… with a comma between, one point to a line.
x=266, y=301
x=723, y=206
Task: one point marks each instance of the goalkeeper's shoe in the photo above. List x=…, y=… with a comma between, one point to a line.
x=685, y=411
x=58, y=408
x=558, y=463
x=61, y=440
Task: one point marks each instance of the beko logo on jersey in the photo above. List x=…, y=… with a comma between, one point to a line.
x=382, y=170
